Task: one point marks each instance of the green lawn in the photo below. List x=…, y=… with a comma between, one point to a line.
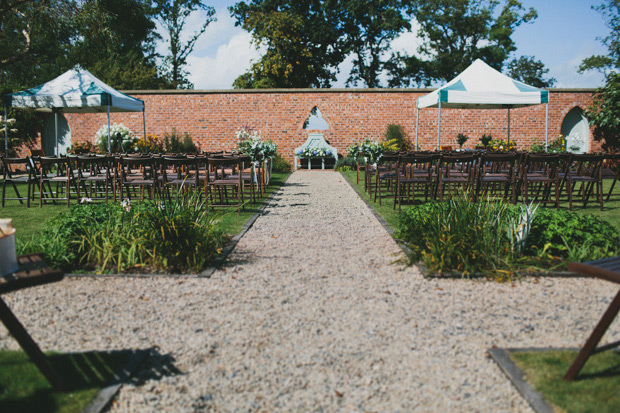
x=24, y=389
x=596, y=389
x=610, y=213
x=30, y=221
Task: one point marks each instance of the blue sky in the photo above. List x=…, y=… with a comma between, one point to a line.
x=564, y=33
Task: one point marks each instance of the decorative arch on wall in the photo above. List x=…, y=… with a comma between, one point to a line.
x=576, y=130
x=315, y=120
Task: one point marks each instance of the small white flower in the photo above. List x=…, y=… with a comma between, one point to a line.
x=85, y=200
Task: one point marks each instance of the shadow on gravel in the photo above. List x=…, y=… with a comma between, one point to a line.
x=156, y=367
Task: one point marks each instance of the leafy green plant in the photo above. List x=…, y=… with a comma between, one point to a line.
x=175, y=142
x=395, y=134
x=459, y=235
x=281, y=164
x=498, y=239
x=174, y=234
x=558, y=229
x=485, y=140
x=537, y=146
x=461, y=139
x=345, y=164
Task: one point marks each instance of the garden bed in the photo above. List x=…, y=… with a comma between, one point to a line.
x=180, y=236
x=464, y=238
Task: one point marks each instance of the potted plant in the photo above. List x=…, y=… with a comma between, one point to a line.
x=461, y=139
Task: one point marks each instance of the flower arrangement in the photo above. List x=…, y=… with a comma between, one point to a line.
x=558, y=145
x=313, y=152
x=121, y=136
x=353, y=150
x=372, y=151
x=154, y=144
x=500, y=145
x=250, y=143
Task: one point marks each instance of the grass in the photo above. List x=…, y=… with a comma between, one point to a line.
x=594, y=390
x=24, y=389
x=30, y=221
x=610, y=213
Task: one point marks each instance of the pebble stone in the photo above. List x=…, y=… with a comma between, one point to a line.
x=313, y=311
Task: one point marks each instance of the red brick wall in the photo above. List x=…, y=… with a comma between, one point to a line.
x=212, y=117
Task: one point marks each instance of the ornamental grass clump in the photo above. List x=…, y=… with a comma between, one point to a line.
x=459, y=235
x=499, y=239
x=176, y=234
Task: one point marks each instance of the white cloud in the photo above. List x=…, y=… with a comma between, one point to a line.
x=231, y=60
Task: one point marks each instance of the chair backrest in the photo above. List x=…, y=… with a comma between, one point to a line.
x=147, y=167
x=588, y=164
x=218, y=166
x=9, y=164
x=543, y=164
x=94, y=165
x=60, y=165
x=497, y=163
x=36, y=152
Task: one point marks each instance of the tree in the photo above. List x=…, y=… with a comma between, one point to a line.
x=611, y=12
x=173, y=15
x=302, y=41
x=530, y=71
x=603, y=113
x=455, y=33
x=369, y=28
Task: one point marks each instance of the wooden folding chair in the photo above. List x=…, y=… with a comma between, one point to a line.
x=497, y=171
x=13, y=177
x=56, y=170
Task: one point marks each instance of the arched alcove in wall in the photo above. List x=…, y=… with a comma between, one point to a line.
x=48, y=138
x=315, y=120
x=576, y=130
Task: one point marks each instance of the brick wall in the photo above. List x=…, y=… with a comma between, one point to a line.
x=212, y=117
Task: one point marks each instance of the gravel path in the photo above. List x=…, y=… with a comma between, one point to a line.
x=314, y=311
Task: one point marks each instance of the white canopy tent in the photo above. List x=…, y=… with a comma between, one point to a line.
x=482, y=87
x=75, y=91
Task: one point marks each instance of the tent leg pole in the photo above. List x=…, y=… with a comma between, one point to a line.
x=146, y=149
x=56, y=131
x=508, y=126
x=6, y=132
x=546, y=127
x=439, y=128
x=417, y=127
x=109, y=139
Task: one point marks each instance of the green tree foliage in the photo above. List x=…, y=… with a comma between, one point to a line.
x=302, y=41
x=40, y=39
x=610, y=9
x=173, y=15
x=369, y=28
x=455, y=33
x=530, y=71
x=603, y=113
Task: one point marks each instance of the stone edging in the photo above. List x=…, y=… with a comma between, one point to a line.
x=105, y=395
x=217, y=262
x=423, y=269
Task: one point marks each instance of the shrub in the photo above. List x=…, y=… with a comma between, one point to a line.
x=176, y=234
x=280, y=164
x=560, y=231
x=395, y=134
x=175, y=142
x=345, y=164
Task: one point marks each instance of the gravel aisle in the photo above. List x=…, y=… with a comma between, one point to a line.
x=313, y=312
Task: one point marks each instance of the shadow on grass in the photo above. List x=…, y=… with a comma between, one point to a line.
x=24, y=389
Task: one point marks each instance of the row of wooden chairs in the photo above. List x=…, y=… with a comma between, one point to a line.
x=226, y=179
x=511, y=175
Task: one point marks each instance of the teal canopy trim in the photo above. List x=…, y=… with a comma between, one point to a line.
x=29, y=92
x=443, y=95
x=525, y=88
x=458, y=86
x=93, y=89
x=106, y=99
